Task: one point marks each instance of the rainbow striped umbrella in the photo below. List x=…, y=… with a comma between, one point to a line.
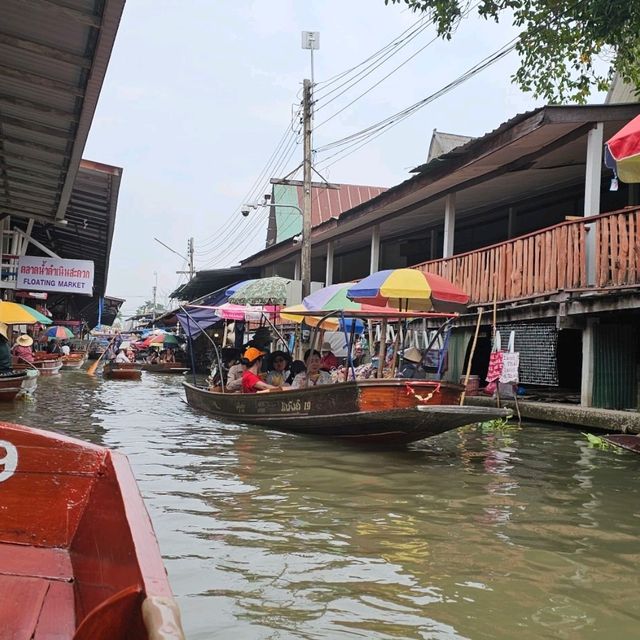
x=58, y=331
x=409, y=289
x=622, y=152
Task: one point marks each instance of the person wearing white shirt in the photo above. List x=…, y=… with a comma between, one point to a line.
x=122, y=356
x=65, y=349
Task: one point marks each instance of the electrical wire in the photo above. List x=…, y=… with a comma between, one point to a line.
x=395, y=42
x=216, y=239
x=368, y=134
x=319, y=96
x=253, y=223
x=235, y=231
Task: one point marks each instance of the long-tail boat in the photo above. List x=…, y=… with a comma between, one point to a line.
x=165, y=367
x=373, y=411
x=122, y=371
x=11, y=385
x=48, y=364
x=75, y=360
x=78, y=555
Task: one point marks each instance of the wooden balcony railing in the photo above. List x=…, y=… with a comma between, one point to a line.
x=549, y=260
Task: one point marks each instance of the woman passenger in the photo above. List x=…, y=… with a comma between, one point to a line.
x=251, y=381
x=277, y=365
x=313, y=375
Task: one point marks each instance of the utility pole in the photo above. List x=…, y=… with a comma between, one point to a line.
x=305, y=257
x=190, y=254
x=155, y=291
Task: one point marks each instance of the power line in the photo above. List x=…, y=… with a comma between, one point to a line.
x=368, y=134
x=217, y=240
x=235, y=232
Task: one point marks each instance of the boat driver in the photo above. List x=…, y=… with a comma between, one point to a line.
x=410, y=368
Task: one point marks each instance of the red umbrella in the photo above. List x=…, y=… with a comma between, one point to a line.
x=623, y=152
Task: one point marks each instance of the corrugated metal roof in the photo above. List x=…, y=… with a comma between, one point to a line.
x=53, y=59
x=326, y=203
x=90, y=218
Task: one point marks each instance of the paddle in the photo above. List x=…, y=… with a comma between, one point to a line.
x=92, y=369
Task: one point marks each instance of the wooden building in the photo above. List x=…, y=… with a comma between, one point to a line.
x=523, y=215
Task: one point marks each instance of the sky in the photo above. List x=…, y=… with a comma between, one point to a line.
x=199, y=93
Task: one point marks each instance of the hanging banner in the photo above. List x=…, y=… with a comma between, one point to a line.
x=55, y=274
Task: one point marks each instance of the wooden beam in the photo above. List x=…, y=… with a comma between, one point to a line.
x=37, y=146
x=35, y=243
x=64, y=10
x=64, y=133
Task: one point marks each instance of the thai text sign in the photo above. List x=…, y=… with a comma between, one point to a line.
x=55, y=274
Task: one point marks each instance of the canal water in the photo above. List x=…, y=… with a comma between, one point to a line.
x=514, y=533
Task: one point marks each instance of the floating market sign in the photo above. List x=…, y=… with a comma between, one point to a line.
x=55, y=274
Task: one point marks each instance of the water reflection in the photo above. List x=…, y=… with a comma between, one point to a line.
x=475, y=534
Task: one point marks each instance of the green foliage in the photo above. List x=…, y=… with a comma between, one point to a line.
x=599, y=443
x=560, y=40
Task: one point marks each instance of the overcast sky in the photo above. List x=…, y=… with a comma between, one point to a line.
x=199, y=93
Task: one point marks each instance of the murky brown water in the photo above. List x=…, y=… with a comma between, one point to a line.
x=526, y=533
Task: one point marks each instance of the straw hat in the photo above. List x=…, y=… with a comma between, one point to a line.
x=326, y=346
x=412, y=355
x=4, y=330
x=24, y=340
x=252, y=354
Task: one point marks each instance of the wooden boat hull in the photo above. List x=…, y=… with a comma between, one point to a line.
x=122, y=371
x=376, y=411
x=629, y=442
x=11, y=386
x=74, y=361
x=165, y=367
x=46, y=366
x=78, y=553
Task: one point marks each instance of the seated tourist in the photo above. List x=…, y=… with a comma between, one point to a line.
x=5, y=351
x=277, y=364
x=328, y=359
x=152, y=357
x=121, y=358
x=251, y=381
x=170, y=356
x=22, y=349
x=410, y=368
x=65, y=349
x=234, y=377
x=313, y=376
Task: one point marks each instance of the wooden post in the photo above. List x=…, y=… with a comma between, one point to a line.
x=328, y=277
x=593, y=171
x=471, y=354
x=375, y=250
x=382, y=347
x=449, y=225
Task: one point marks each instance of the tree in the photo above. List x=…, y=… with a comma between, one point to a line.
x=147, y=308
x=560, y=42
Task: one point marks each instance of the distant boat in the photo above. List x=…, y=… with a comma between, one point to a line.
x=75, y=360
x=122, y=371
x=78, y=552
x=377, y=411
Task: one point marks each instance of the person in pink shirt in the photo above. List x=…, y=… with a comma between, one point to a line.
x=23, y=348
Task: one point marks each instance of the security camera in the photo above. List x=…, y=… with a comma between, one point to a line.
x=245, y=211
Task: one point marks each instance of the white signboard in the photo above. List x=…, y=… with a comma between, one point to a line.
x=55, y=274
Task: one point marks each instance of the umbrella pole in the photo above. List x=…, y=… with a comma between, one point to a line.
x=382, y=347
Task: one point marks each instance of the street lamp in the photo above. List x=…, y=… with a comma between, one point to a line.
x=304, y=255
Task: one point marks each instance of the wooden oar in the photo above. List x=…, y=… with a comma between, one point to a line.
x=92, y=369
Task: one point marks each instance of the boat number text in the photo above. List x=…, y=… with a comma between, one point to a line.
x=291, y=406
x=8, y=460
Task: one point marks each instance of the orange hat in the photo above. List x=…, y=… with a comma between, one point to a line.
x=252, y=354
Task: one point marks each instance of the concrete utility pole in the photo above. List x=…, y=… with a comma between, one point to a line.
x=305, y=257
x=155, y=291
x=190, y=254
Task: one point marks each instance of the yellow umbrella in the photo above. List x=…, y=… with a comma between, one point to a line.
x=12, y=313
x=293, y=314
